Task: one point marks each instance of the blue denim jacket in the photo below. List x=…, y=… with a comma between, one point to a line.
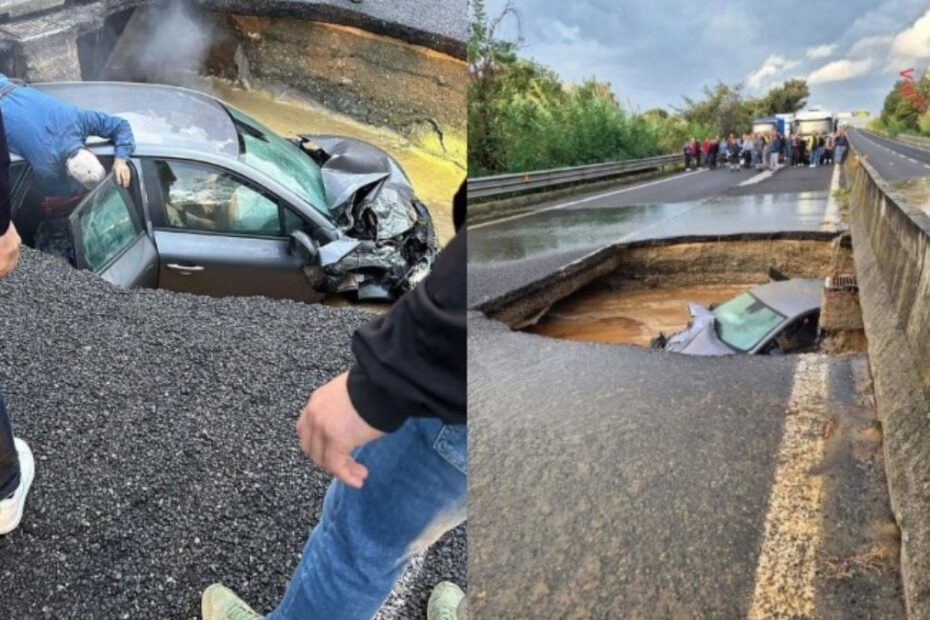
x=46, y=131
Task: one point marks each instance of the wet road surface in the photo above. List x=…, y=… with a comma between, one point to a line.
x=505, y=255
x=636, y=483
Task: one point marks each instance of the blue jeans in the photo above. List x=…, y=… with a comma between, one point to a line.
x=817, y=153
x=838, y=153
x=9, y=461
x=415, y=492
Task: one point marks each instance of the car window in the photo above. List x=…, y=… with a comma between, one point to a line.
x=204, y=198
x=744, y=321
x=293, y=222
x=106, y=226
x=283, y=161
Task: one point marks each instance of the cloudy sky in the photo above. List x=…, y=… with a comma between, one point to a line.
x=655, y=51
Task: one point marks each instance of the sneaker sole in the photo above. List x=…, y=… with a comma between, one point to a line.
x=26, y=483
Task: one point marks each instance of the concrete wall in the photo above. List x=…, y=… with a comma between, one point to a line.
x=891, y=243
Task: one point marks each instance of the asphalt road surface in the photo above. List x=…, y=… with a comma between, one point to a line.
x=892, y=159
x=163, y=430
x=506, y=253
x=617, y=482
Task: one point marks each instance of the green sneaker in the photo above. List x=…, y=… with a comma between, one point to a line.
x=221, y=603
x=444, y=602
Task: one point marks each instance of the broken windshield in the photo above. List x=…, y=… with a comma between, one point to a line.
x=744, y=321
x=267, y=151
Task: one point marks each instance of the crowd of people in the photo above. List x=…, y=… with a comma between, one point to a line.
x=761, y=151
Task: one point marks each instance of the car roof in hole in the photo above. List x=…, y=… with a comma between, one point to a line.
x=790, y=297
x=163, y=116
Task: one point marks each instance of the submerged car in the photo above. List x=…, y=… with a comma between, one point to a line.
x=221, y=205
x=773, y=318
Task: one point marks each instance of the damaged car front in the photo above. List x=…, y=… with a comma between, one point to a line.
x=372, y=202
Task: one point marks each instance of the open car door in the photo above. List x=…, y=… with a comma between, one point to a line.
x=110, y=238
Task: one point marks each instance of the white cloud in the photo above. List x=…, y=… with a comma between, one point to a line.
x=914, y=42
x=840, y=70
x=774, y=65
x=867, y=46
x=820, y=51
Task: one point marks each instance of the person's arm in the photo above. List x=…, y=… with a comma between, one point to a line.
x=411, y=362
x=113, y=128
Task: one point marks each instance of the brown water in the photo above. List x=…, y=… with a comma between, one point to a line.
x=629, y=317
x=435, y=179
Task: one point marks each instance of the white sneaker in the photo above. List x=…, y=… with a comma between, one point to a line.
x=11, y=510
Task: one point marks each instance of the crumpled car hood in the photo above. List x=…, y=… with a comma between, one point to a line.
x=372, y=200
x=700, y=337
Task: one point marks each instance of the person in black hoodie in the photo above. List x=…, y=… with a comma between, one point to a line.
x=392, y=430
x=16, y=463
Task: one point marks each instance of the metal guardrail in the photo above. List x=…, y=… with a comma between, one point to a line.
x=499, y=185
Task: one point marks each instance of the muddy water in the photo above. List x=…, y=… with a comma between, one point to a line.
x=629, y=317
x=435, y=179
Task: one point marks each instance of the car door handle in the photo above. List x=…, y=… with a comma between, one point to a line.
x=184, y=270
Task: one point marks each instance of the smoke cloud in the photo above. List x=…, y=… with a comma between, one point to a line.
x=163, y=43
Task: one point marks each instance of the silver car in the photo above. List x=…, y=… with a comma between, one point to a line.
x=221, y=205
x=773, y=318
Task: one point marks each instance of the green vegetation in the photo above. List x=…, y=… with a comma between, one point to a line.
x=521, y=116
x=905, y=109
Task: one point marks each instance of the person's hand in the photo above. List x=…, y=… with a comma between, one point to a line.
x=9, y=250
x=122, y=172
x=329, y=428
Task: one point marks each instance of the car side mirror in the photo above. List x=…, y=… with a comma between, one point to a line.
x=313, y=254
x=305, y=247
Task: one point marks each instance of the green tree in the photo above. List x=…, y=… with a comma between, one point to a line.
x=788, y=98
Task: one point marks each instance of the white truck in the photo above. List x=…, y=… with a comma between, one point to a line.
x=814, y=119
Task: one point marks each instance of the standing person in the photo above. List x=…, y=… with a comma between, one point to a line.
x=50, y=134
x=733, y=150
x=828, y=144
x=17, y=466
x=392, y=430
x=802, y=151
x=812, y=149
x=774, y=150
x=686, y=150
x=840, y=147
x=705, y=152
x=789, y=150
x=747, y=150
x=722, y=150
x=795, y=153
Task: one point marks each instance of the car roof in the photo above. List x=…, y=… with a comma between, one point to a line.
x=159, y=115
x=791, y=298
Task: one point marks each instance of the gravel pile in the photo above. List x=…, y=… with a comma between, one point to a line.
x=162, y=426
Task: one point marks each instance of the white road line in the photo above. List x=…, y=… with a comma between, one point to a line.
x=785, y=573
x=831, y=218
x=757, y=178
x=586, y=199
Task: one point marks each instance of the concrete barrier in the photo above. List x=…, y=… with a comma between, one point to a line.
x=891, y=241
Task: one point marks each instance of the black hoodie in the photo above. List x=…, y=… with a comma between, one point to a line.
x=411, y=361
